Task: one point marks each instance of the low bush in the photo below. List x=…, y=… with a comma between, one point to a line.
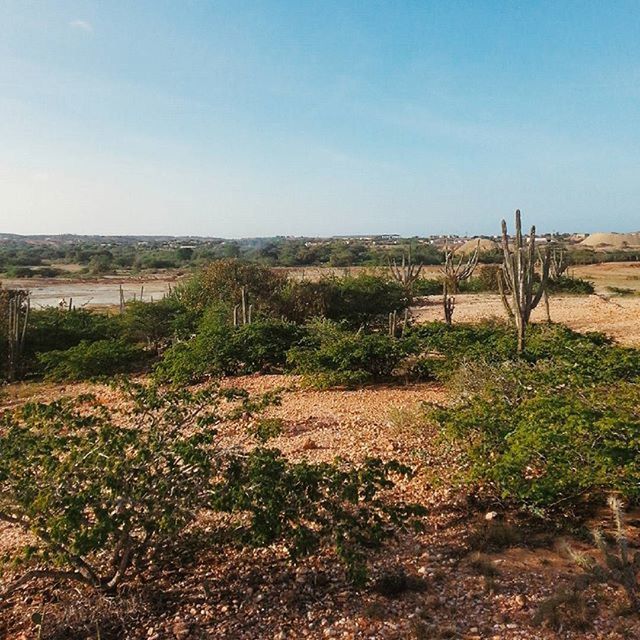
x=487, y=276
x=550, y=435
x=307, y=504
x=218, y=348
x=101, y=488
x=222, y=282
x=58, y=329
x=29, y=272
x=566, y=284
x=92, y=360
x=157, y=323
x=623, y=291
x=363, y=300
x=333, y=355
x=446, y=349
x=98, y=495
x=427, y=287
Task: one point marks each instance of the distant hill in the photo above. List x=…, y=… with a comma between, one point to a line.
x=611, y=240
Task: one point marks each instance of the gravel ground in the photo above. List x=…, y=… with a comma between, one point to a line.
x=616, y=316
x=221, y=591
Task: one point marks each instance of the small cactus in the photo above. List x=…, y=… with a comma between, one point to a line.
x=618, y=565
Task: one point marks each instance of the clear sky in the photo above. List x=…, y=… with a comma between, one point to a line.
x=318, y=118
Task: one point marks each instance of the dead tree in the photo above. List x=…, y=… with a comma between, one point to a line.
x=453, y=273
x=406, y=273
x=520, y=289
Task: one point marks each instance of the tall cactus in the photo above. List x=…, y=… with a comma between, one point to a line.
x=15, y=306
x=517, y=278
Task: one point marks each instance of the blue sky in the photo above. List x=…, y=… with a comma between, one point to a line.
x=318, y=118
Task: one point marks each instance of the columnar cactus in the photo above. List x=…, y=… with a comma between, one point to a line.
x=453, y=273
x=520, y=289
x=559, y=262
x=406, y=273
x=15, y=303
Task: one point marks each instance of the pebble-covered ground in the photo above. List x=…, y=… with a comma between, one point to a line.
x=463, y=577
x=617, y=316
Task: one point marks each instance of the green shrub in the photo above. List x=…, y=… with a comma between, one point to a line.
x=584, y=356
x=427, y=287
x=306, y=504
x=333, y=355
x=218, y=348
x=101, y=489
x=446, y=347
x=549, y=434
x=90, y=487
x=487, y=276
x=91, y=360
x=362, y=300
x=623, y=291
x=222, y=281
x=156, y=323
x=566, y=284
x=57, y=329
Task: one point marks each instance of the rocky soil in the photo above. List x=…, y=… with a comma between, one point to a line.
x=476, y=572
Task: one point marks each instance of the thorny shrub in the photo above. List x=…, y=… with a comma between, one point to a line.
x=551, y=434
x=332, y=355
x=101, y=488
x=92, y=360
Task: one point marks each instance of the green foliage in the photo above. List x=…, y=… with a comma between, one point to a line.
x=333, y=355
x=566, y=284
x=306, y=504
x=265, y=429
x=427, y=287
x=218, y=348
x=156, y=323
x=623, y=291
x=549, y=434
x=590, y=356
x=363, y=299
x=102, y=487
x=487, y=277
x=547, y=429
x=101, y=263
x=221, y=282
x=357, y=300
x=56, y=329
x=96, y=494
x=91, y=360
x=29, y=272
